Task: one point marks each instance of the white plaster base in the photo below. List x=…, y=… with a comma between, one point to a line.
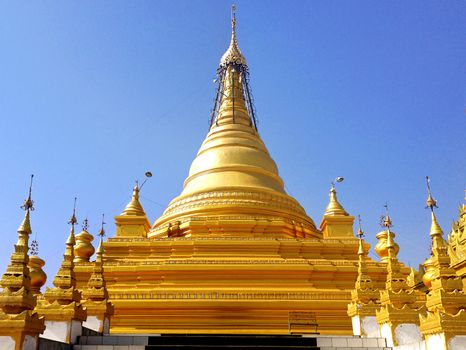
x=92, y=322
x=29, y=343
x=436, y=342
x=356, y=322
x=57, y=330
x=370, y=327
x=457, y=343
x=414, y=346
x=407, y=333
x=386, y=332
x=7, y=343
x=63, y=331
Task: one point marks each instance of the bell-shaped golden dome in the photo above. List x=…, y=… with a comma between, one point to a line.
x=381, y=246
x=429, y=274
x=233, y=186
x=38, y=276
x=134, y=207
x=83, y=249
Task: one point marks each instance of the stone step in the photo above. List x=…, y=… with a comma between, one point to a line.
x=230, y=342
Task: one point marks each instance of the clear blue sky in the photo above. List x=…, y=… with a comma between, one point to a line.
x=94, y=93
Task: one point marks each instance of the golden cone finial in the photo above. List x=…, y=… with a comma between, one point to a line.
x=100, y=248
x=134, y=207
x=360, y=235
x=334, y=207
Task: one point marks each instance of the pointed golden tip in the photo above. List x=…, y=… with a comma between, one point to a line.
x=233, y=54
x=100, y=248
x=334, y=207
x=71, y=238
x=134, y=207
x=361, y=247
x=435, y=229
x=25, y=226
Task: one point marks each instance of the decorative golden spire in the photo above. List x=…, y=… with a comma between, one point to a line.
x=439, y=245
x=446, y=300
x=96, y=294
x=363, y=280
x=96, y=290
x=442, y=276
x=233, y=54
x=18, y=319
x=16, y=295
x=396, y=281
x=134, y=207
x=364, y=297
x=65, y=291
x=334, y=207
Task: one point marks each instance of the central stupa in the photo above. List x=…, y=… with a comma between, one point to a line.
x=233, y=187
x=233, y=253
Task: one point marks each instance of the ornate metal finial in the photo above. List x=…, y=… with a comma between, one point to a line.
x=29, y=203
x=360, y=231
x=85, y=224
x=431, y=202
x=385, y=220
x=73, y=221
x=233, y=19
x=34, y=249
x=102, y=230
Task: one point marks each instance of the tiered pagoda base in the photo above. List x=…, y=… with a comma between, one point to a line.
x=228, y=285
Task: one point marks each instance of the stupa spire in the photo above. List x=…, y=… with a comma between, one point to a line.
x=18, y=320
x=63, y=302
x=134, y=207
x=65, y=277
x=233, y=177
x=334, y=207
x=96, y=294
x=396, y=281
x=233, y=54
x=364, y=297
x=233, y=103
x=446, y=300
x=17, y=296
x=133, y=220
x=363, y=280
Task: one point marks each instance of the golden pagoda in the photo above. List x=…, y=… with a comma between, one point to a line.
x=457, y=244
x=444, y=324
x=233, y=253
x=364, y=297
x=398, y=315
x=61, y=305
x=99, y=309
x=20, y=325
